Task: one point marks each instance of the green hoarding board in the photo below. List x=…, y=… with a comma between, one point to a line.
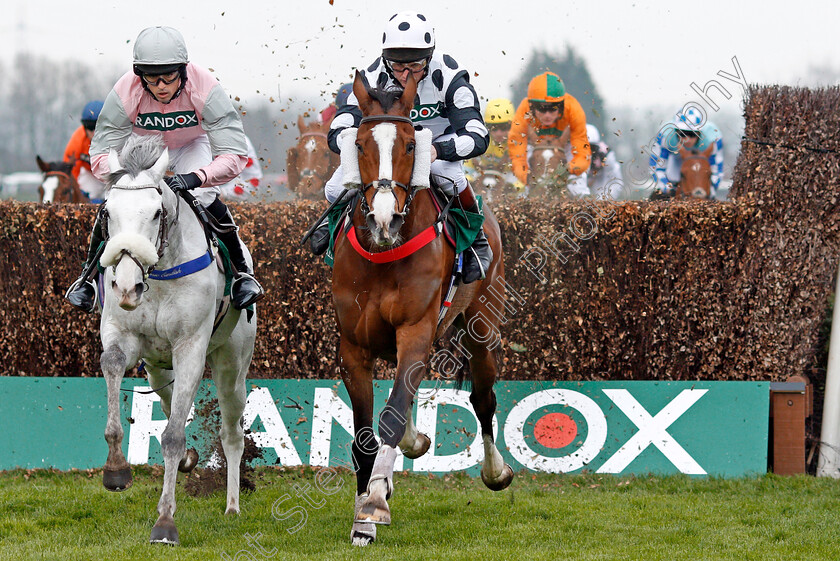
x=697, y=428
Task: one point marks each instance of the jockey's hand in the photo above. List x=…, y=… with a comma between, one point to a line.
x=85, y=158
x=519, y=185
x=183, y=181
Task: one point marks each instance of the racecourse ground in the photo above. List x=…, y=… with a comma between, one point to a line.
x=70, y=516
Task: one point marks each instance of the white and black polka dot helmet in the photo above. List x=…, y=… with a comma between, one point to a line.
x=408, y=37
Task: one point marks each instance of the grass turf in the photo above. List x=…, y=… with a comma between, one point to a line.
x=69, y=516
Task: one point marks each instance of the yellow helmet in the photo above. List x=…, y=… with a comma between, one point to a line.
x=499, y=111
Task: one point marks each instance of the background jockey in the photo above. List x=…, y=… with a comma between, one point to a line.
x=446, y=104
x=549, y=110
x=166, y=95
x=77, y=153
x=498, y=116
x=604, y=177
x=248, y=181
x=686, y=130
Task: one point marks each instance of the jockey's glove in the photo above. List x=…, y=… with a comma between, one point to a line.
x=183, y=181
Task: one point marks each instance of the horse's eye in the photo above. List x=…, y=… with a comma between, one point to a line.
x=409, y=148
x=157, y=215
x=359, y=146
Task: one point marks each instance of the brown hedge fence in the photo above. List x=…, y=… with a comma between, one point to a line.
x=670, y=291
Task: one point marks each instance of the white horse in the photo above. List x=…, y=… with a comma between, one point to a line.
x=167, y=323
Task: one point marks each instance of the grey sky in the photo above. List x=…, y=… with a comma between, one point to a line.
x=639, y=54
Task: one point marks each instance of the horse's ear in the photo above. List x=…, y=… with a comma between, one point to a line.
x=42, y=165
x=301, y=124
x=409, y=92
x=114, y=161
x=360, y=90
x=708, y=151
x=160, y=166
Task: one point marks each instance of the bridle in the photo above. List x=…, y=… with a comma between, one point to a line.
x=384, y=185
x=162, y=241
x=62, y=174
x=306, y=172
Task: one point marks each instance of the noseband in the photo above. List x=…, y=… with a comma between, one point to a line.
x=163, y=230
x=383, y=185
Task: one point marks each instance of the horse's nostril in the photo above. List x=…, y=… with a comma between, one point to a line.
x=138, y=288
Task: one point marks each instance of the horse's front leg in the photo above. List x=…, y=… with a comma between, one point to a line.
x=188, y=360
x=116, y=475
x=356, y=365
x=161, y=381
x=414, y=344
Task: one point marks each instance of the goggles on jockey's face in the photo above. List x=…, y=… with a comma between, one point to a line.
x=156, y=79
x=414, y=67
x=545, y=107
x=687, y=133
x=499, y=126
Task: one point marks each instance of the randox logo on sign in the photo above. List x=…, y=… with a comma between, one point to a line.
x=425, y=112
x=697, y=428
x=166, y=121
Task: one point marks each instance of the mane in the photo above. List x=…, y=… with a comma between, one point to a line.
x=385, y=97
x=139, y=153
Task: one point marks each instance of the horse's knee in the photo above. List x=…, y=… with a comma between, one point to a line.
x=172, y=441
x=112, y=360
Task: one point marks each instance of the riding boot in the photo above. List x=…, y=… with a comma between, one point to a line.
x=319, y=241
x=82, y=293
x=245, y=289
x=479, y=255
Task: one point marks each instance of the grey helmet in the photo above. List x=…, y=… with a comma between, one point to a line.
x=159, y=50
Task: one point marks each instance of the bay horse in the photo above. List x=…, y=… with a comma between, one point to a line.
x=310, y=163
x=59, y=185
x=546, y=176
x=162, y=292
x=388, y=299
x=695, y=174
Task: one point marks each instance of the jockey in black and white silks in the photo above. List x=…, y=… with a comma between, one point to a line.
x=447, y=104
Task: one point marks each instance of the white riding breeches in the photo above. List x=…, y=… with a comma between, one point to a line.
x=94, y=188
x=449, y=173
x=190, y=157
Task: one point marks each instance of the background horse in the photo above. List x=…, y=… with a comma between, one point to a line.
x=389, y=308
x=310, y=163
x=173, y=331
x=59, y=185
x=547, y=166
x=695, y=174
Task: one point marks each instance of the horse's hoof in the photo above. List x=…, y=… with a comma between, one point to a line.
x=501, y=482
x=418, y=451
x=189, y=461
x=374, y=511
x=116, y=479
x=164, y=532
x=362, y=534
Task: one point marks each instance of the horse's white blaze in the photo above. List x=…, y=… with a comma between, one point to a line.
x=310, y=145
x=384, y=203
x=385, y=135
x=547, y=154
x=50, y=185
